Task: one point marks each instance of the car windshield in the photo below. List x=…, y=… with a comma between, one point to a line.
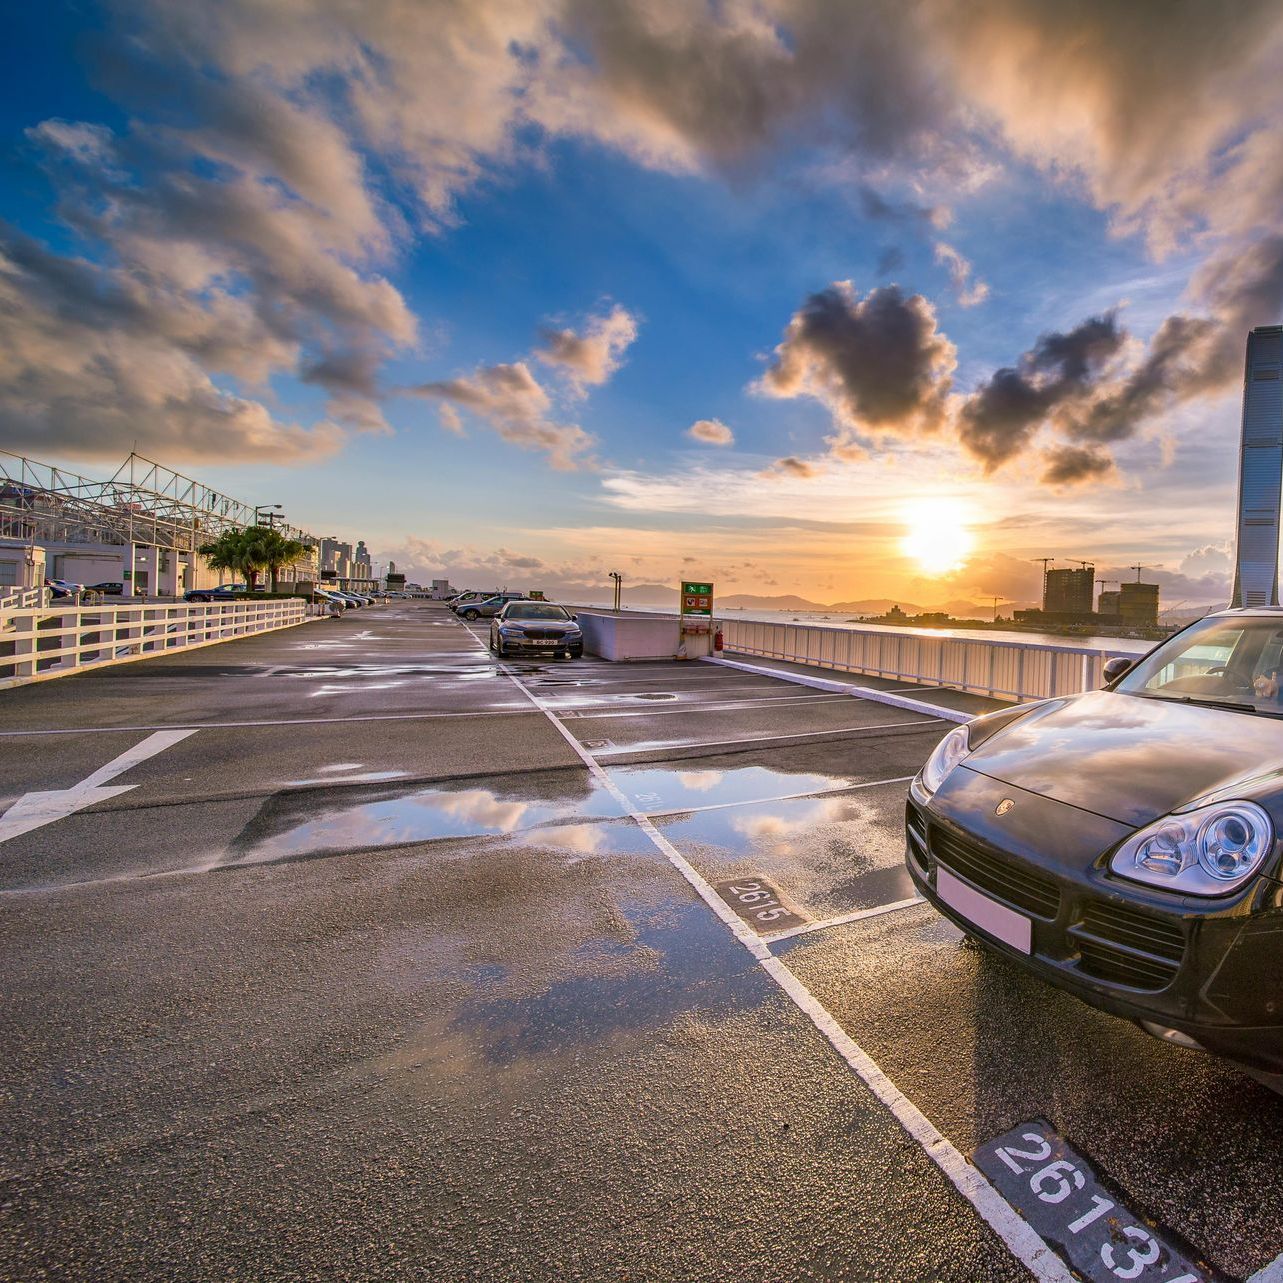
x=535, y=610
x=1235, y=660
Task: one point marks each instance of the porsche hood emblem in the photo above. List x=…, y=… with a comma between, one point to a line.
x=1004, y=806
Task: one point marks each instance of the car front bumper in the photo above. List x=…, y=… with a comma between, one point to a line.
x=1209, y=969
x=545, y=646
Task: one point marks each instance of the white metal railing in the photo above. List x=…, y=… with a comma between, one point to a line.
x=54, y=641
x=18, y=598
x=999, y=668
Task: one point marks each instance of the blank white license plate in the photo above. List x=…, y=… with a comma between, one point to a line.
x=999, y=921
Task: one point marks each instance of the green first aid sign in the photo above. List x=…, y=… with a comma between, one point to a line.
x=697, y=599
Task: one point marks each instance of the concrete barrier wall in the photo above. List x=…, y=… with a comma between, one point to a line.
x=633, y=635
x=40, y=643
x=1001, y=669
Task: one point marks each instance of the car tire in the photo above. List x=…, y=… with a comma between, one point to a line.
x=471, y=616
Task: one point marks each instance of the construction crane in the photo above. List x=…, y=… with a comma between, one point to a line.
x=1137, y=569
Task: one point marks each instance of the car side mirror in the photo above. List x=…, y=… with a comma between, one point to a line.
x=574, y=616
x=1115, y=668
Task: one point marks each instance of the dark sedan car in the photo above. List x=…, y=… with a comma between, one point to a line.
x=224, y=592
x=535, y=627
x=1123, y=843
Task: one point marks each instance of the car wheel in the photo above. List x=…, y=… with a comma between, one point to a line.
x=471, y=616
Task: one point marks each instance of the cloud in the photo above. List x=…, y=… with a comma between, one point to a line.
x=515, y=404
x=95, y=362
x=999, y=420
x=878, y=363
x=791, y=466
x=1069, y=465
x=890, y=259
x=274, y=165
x=592, y=357
x=968, y=292
x=711, y=432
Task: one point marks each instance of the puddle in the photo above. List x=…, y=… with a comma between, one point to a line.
x=664, y=789
x=682, y=963
x=653, y=695
x=289, y=826
x=830, y=854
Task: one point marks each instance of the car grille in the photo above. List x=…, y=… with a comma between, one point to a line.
x=916, y=826
x=542, y=634
x=1125, y=946
x=1015, y=884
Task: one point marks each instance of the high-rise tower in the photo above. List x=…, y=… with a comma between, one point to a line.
x=1260, y=471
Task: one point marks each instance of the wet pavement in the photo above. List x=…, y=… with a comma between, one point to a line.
x=378, y=975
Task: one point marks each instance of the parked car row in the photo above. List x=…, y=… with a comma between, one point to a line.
x=473, y=605
x=238, y=592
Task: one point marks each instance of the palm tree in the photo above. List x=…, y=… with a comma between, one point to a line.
x=276, y=551
x=233, y=550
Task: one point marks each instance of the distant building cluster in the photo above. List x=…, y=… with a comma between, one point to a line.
x=139, y=531
x=1069, y=597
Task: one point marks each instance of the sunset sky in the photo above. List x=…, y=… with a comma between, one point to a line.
x=844, y=300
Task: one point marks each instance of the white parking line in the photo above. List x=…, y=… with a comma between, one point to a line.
x=279, y=721
x=842, y=919
x=1020, y=1237
x=771, y=703
x=784, y=797
x=658, y=746
x=1271, y=1273
x=846, y=688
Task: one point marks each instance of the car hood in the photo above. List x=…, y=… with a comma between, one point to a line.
x=542, y=625
x=1131, y=758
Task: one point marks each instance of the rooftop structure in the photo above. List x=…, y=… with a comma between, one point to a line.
x=1260, y=471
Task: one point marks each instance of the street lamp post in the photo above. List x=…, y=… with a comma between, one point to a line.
x=619, y=583
x=272, y=517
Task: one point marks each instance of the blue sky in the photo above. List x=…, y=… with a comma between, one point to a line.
x=325, y=261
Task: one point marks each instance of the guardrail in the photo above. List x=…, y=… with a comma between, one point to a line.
x=38, y=643
x=1001, y=669
x=18, y=598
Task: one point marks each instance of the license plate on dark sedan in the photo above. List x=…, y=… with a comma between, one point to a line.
x=999, y=921
x=539, y=642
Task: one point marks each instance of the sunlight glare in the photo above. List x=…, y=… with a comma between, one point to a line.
x=938, y=538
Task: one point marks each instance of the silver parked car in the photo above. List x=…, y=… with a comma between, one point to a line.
x=535, y=627
x=490, y=607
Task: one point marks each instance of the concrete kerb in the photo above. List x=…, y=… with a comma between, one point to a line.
x=846, y=688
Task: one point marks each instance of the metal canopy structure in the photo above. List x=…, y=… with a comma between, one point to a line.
x=142, y=503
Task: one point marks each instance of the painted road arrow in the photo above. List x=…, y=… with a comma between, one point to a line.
x=34, y=810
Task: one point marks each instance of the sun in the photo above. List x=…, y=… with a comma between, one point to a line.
x=939, y=537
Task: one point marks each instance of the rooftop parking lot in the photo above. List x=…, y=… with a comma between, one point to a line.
x=372, y=957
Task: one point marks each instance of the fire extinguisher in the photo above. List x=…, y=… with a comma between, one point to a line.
x=718, y=640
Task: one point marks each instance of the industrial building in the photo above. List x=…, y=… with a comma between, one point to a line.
x=1069, y=592
x=142, y=528
x=1260, y=471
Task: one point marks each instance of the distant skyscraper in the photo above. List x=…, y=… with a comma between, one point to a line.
x=1260, y=471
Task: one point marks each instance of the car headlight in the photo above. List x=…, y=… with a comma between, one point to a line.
x=946, y=755
x=1209, y=851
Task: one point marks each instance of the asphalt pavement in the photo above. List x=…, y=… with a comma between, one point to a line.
x=348, y=952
